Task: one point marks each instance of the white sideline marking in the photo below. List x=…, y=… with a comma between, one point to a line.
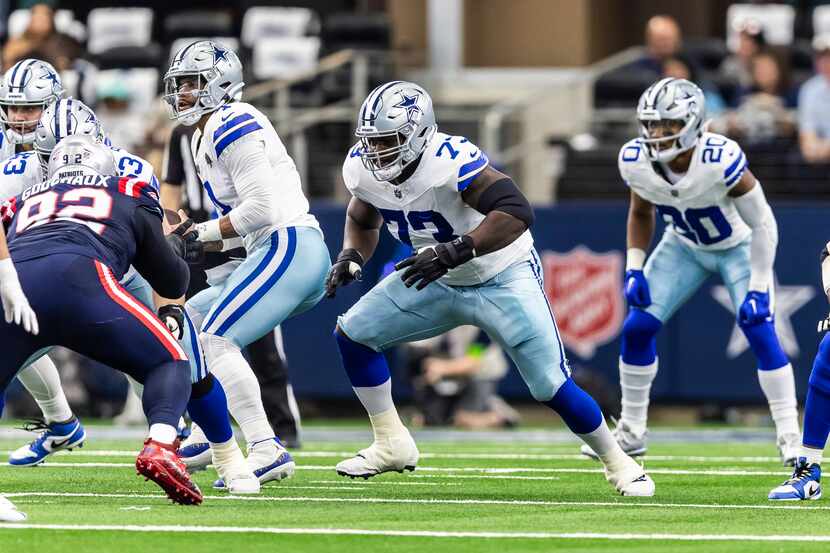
x=494, y=456
x=491, y=470
x=501, y=502
x=348, y=483
x=418, y=533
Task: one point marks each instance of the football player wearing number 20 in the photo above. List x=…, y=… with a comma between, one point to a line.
x=474, y=265
x=718, y=221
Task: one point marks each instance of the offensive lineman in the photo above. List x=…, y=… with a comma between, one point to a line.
x=256, y=189
x=718, y=221
x=475, y=264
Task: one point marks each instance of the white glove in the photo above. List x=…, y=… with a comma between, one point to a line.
x=15, y=305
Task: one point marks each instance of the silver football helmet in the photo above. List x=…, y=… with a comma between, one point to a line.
x=203, y=76
x=66, y=117
x=81, y=155
x=670, y=113
x=26, y=86
x=394, y=125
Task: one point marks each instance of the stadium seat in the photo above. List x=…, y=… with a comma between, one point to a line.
x=266, y=22
x=283, y=58
x=125, y=57
x=359, y=31
x=115, y=27
x=821, y=19
x=227, y=41
x=777, y=20
x=801, y=56
x=64, y=23
x=198, y=23
x=707, y=53
x=621, y=88
x=141, y=83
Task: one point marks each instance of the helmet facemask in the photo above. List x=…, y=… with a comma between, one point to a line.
x=184, y=94
x=20, y=120
x=665, y=139
x=386, y=154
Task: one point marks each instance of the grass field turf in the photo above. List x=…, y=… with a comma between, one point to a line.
x=465, y=496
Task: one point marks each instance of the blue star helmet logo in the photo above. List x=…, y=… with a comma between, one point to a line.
x=51, y=76
x=410, y=104
x=219, y=54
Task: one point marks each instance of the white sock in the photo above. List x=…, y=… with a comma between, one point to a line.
x=812, y=455
x=243, y=393
x=604, y=445
x=376, y=399
x=387, y=424
x=635, y=381
x=41, y=379
x=228, y=459
x=163, y=433
x=779, y=388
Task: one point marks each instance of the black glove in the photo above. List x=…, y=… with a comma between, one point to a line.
x=186, y=245
x=347, y=268
x=432, y=263
x=172, y=315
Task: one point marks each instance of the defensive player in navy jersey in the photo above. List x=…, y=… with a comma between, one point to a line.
x=72, y=238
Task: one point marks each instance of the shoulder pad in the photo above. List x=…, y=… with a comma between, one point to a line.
x=631, y=155
x=230, y=123
x=138, y=189
x=352, y=167
x=457, y=155
x=723, y=157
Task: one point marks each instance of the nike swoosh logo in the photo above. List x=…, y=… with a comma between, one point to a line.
x=223, y=119
x=474, y=154
x=57, y=444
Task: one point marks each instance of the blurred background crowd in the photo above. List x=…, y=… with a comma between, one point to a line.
x=546, y=87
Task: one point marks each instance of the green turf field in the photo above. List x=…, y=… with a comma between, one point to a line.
x=469, y=495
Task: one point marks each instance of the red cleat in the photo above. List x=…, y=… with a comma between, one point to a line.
x=161, y=464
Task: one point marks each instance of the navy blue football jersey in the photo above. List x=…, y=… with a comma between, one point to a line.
x=87, y=215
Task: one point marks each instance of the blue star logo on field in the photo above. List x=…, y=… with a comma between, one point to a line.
x=219, y=54
x=788, y=300
x=410, y=104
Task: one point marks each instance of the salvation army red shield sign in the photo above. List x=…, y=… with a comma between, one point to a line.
x=585, y=291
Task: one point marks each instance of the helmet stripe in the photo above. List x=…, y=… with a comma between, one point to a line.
x=24, y=67
x=68, y=111
x=377, y=93
x=57, y=124
x=184, y=50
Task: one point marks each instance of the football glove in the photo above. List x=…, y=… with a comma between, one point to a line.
x=755, y=309
x=172, y=315
x=433, y=262
x=186, y=243
x=346, y=269
x=636, y=289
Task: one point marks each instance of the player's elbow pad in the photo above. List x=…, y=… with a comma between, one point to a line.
x=503, y=195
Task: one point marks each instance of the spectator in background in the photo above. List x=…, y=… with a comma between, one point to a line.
x=751, y=41
x=679, y=66
x=663, y=40
x=763, y=112
x=455, y=377
x=814, y=106
x=41, y=27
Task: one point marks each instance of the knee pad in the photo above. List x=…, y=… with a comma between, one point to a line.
x=364, y=366
x=639, y=346
x=216, y=346
x=764, y=343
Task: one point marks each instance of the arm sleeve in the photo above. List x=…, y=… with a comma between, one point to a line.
x=166, y=272
x=256, y=182
x=756, y=212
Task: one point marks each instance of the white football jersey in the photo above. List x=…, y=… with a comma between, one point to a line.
x=427, y=209
x=697, y=207
x=232, y=124
x=24, y=169
x=7, y=148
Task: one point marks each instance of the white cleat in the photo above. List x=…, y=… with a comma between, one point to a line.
x=268, y=460
x=630, y=479
x=632, y=444
x=789, y=447
x=398, y=453
x=234, y=470
x=195, y=451
x=9, y=513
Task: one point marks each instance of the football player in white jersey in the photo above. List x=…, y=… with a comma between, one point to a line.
x=474, y=264
x=69, y=117
x=255, y=187
x=718, y=221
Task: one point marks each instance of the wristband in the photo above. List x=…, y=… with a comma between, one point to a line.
x=209, y=231
x=635, y=258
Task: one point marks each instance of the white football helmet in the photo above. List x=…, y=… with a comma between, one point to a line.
x=214, y=73
x=66, y=117
x=27, y=83
x=81, y=155
x=394, y=125
x=665, y=106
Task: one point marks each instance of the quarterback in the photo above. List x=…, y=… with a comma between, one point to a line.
x=474, y=264
x=717, y=221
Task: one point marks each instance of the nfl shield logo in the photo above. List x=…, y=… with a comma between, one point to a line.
x=585, y=291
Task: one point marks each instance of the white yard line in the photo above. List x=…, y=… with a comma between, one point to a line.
x=485, y=456
x=486, y=470
x=417, y=533
x=501, y=502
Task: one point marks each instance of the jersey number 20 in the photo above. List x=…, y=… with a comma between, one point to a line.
x=81, y=205
x=700, y=225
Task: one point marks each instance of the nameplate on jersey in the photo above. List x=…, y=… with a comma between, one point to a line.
x=64, y=178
